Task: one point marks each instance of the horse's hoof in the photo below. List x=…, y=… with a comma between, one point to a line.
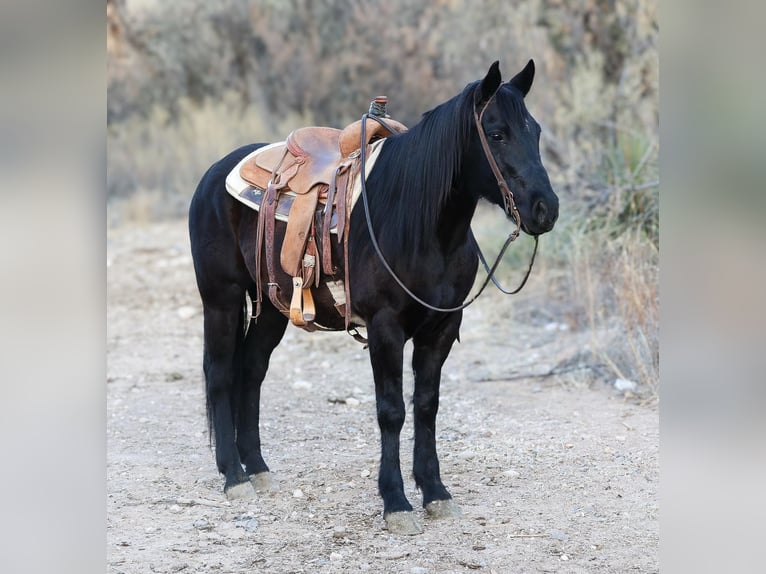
x=403, y=523
x=263, y=482
x=243, y=490
x=443, y=509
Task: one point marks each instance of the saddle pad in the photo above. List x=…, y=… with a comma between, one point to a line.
x=252, y=196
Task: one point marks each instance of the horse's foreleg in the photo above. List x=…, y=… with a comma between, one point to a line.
x=223, y=332
x=386, y=342
x=262, y=337
x=430, y=352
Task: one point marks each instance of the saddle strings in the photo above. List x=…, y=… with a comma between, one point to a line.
x=508, y=203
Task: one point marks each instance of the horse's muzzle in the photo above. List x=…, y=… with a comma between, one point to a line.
x=544, y=214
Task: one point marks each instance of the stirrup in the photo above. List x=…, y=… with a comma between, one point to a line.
x=302, y=308
x=296, y=314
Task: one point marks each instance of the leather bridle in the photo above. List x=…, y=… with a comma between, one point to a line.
x=509, y=207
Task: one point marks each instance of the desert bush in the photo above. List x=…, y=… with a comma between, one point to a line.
x=324, y=61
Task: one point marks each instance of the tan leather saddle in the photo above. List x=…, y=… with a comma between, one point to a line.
x=316, y=152
x=317, y=164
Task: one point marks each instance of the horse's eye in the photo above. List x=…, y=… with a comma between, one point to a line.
x=496, y=136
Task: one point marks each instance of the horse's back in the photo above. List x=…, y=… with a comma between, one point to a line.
x=213, y=218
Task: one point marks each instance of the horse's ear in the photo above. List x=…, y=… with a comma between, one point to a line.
x=523, y=80
x=489, y=84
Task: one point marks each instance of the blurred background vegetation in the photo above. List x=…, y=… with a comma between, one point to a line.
x=189, y=81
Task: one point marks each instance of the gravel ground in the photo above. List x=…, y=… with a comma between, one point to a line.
x=553, y=473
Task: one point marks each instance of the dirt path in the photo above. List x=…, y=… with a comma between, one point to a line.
x=553, y=474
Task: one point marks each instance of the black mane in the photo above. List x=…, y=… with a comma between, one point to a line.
x=415, y=172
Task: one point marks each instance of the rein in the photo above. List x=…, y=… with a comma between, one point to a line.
x=492, y=275
x=509, y=207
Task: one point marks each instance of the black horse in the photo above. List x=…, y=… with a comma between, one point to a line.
x=422, y=194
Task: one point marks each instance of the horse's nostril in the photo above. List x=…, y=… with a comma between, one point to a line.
x=540, y=211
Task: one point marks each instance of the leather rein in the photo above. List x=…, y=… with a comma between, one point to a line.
x=509, y=206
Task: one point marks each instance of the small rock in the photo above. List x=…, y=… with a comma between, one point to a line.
x=339, y=532
x=558, y=535
x=512, y=473
x=624, y=385
x=302, y=385
x=365, y=473
x=564, y=557
x=202, y=524
x=251, y=525
x=352, y=402
x=498, y=504
x=336, y=556
x=186, y=312
x=297, y=493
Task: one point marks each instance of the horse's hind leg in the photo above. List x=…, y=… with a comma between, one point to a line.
x=429, y=353
x=223, y=344
x=262, y=338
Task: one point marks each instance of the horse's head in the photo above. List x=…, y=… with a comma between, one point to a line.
x=512, y=136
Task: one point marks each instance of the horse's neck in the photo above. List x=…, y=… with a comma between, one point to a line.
x=455, y=220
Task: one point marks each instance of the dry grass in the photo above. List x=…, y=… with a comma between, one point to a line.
x=616, y=286
x=155, y=163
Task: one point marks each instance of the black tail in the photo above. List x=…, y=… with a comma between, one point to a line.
x=237, y=371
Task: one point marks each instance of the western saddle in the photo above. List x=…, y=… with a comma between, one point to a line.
x=312, y=171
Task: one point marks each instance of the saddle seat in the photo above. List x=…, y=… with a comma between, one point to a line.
x=310, y=156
